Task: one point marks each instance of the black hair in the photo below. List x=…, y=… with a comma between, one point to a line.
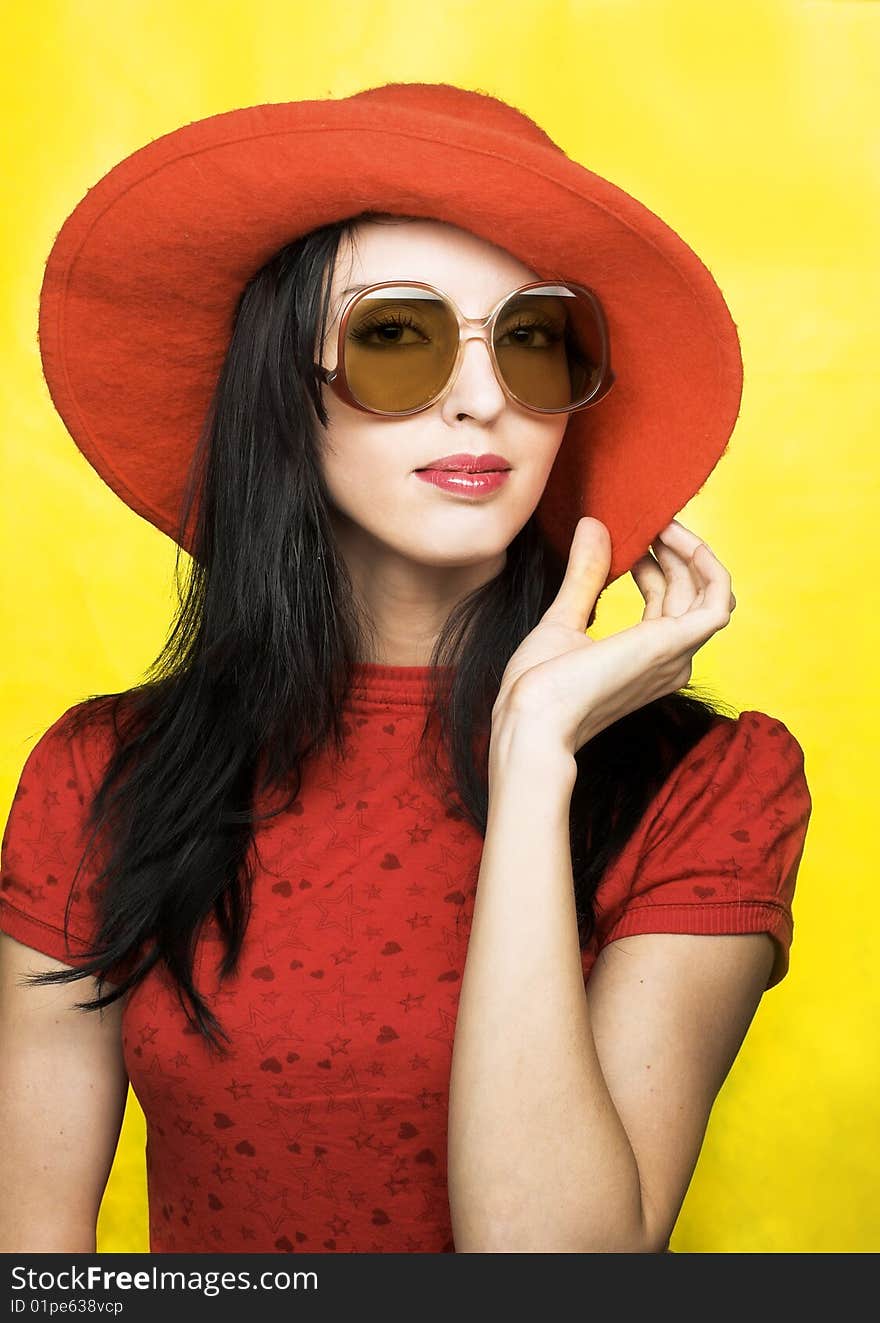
x=252, y=677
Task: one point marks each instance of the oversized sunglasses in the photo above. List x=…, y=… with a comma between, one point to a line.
x=400, y=343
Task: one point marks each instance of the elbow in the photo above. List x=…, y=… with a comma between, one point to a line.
x=48, y=1238
x=502, y=1238
x=567, y=1226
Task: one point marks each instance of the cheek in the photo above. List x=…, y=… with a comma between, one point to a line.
x=544, y=444
x=365, y=468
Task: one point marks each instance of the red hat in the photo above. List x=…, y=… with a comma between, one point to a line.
x=142, y=281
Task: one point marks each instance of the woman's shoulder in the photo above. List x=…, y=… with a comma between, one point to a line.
x=80, y=739
x=730, y=779
x=753, y=740
x=757, y=730
x=46, y=833
x=719, y=847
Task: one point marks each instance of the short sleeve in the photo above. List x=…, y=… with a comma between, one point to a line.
x=43, y=842
x=723, y=844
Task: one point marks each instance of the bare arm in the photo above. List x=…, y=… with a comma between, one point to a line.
x=576, y=1115
x=63, y=1088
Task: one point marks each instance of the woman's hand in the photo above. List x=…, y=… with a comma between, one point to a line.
x=566, y=686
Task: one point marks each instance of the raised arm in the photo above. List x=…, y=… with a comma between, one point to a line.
x=577, y=1114
x=63, y=1088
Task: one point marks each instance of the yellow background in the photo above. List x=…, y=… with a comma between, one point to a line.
x=752, y=129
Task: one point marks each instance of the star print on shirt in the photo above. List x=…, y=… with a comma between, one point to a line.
x=327, y=1112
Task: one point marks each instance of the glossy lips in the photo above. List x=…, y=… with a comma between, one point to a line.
x=466, y=475
x=465, y=484
x=467, y=463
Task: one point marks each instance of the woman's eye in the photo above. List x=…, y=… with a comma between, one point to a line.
x=531, y=335
x=392, y=332
x=389, y=332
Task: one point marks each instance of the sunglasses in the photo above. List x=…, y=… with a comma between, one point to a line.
x=400, y=344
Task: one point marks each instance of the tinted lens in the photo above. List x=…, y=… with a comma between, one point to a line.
x=549, y=346
x=400, y=345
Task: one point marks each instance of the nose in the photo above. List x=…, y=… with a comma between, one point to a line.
x=475, y=390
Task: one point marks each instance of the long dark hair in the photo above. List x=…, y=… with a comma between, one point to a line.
x=252, y=676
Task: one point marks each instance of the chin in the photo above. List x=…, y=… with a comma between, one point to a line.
x=459, y=553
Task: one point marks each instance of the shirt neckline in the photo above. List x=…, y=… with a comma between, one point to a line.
x=374, y=684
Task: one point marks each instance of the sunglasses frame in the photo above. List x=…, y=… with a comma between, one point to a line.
x=469, y=328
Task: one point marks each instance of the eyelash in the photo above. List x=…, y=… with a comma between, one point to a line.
x=390, y=320
x=533, y=326
x=400, y=321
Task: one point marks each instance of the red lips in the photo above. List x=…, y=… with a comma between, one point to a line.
x=468, y=463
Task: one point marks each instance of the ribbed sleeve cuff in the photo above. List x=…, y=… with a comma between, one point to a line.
x=713, y=918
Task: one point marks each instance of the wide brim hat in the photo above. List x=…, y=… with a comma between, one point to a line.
x=141, y=284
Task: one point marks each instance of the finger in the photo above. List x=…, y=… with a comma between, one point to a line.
x=589, y=560
x=705, y=566
x=712, y=610
x=682, y=584
x=651, y=583
x=718, y=596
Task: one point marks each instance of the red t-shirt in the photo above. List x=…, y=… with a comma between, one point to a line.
x=326, y=1129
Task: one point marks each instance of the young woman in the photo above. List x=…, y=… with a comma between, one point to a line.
x=417, y=919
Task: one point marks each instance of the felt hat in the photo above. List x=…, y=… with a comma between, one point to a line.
x=141, y=284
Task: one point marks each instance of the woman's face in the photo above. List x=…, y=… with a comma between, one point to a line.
x=381, y=508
